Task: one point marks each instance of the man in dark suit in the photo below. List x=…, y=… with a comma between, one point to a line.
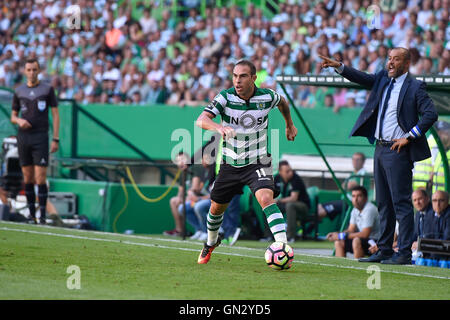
x=423, y=217
x=440, y=228
x=397, y=115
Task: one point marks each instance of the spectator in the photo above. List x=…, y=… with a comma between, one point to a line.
x=423, y=216
x=440, y=222
x=359, y=177
x=363, y=229
x=182, y=162
x=147, y=22
x=223, y=36
x=294, y=201
x=157, y=92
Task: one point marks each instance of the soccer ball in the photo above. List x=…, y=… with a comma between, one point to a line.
x=279, y=256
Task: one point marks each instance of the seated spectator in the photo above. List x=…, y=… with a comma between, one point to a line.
x=423, y=215
x=363, y=229
x=198, y=197
x=294, y=200
x=359, y=177
x=181, y=161
x=440, y=224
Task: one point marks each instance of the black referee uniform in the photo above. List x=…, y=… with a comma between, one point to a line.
x=32, y=104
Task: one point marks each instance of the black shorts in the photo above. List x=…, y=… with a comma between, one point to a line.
x=33, y=148
x=364, y=244
x=231, y=180
x=334, y=208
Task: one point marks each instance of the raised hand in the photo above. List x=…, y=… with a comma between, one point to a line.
x=327, y=62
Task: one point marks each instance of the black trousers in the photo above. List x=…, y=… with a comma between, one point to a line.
x=393, y=187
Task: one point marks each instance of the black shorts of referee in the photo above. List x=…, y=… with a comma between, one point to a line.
x=33, y=148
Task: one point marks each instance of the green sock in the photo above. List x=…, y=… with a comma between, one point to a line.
x=213, y=223
x=276, y=222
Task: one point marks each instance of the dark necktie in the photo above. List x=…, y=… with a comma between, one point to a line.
x=421, y=215
x=440, y=227
x=384, y=108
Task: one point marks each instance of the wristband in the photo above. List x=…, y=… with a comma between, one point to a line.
x=342, y=235
x=56, y=140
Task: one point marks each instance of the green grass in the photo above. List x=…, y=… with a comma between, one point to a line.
x=34, y=262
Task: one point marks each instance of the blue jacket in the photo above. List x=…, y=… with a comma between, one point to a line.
x=415, y=109
x=445, y=232
x=427, y=223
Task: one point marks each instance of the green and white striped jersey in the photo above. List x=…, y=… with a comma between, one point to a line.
x=250, y=121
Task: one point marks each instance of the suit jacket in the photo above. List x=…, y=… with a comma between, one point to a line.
x=427, y=223
x=445, y=232
x=415, y=109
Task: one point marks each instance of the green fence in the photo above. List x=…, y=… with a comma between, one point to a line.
x=109, y=208
x=161, y=130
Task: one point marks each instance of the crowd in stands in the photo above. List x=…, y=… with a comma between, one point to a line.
x=147, y=56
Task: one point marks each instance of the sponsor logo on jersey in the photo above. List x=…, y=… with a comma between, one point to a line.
x=42, y=105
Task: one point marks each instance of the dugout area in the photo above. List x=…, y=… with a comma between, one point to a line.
x=117, y=160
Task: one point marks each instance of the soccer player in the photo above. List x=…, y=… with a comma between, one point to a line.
x=33, y=100
x=244, y=109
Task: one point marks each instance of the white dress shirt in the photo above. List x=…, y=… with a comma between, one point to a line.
x=391, y=128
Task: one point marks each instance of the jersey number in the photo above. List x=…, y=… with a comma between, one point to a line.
x=260, y=173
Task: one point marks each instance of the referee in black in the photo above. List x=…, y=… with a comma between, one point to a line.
x=32, y=101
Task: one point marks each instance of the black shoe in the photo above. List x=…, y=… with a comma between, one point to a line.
x=32, y=220
x=42, y=221
x=375, y=258
x=397, y=259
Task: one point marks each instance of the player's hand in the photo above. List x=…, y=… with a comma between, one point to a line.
x=23, y=124
x=227, y=132
x=291, y=132
x=373, y=249
x=327, y=62
x=399, y=144
x=332, y=236
x=54, y=147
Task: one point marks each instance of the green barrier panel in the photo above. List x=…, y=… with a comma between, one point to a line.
x=102, y=211
x=158, y=130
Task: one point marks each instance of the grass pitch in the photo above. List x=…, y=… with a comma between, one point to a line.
x=34, y=261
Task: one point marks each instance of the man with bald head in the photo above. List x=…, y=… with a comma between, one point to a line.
x=423, y=217
x=440, y=228
x=397, y=115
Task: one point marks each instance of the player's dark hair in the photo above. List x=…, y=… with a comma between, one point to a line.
x=362, y=155
x=423, y=192
x=32, y=60
x=248, y=64
x=360, y=189
x=282, y=163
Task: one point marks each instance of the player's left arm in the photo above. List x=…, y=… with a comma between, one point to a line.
x=53, y=103
x=55, y=140
x=291, y=130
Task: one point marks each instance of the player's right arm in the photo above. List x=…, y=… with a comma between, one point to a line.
x=22, y=123
x=15, y=119
x=205, y=121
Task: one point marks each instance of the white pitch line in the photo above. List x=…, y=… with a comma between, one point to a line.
x=165, y=239
x=218, y=252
